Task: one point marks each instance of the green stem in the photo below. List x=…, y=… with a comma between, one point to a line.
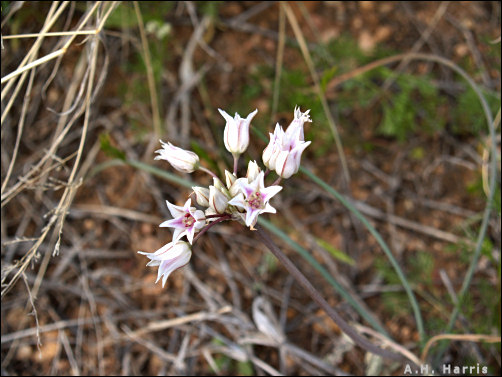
x=383, y=245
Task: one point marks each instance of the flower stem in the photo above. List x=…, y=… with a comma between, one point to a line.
x=208, y=171
x=215, y=216
x=316, y=296
x=208, y=226
x=277, y=181
x=236, y=163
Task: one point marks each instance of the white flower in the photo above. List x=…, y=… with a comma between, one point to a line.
x=236, y=134
x=284, y=151
x=254, y=197
x=182, y=160
x=169, y=258
x=288, y=161
x=235, y=186
x=273, y=148
x=187, y=220
x=298, y=121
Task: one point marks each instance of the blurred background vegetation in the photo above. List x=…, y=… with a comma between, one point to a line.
x=405, y=103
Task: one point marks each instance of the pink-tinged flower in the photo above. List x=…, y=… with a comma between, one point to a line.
x=288, y=161
x=284, y=151
x=187, y=220
x=273, y=148
x=299, y=120
x=169, y=258
x=252, y=173
x=236, y=134
x=180, y=159
x=254, y=198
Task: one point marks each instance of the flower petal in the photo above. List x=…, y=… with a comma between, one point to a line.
x=269, y=192
x=252, y=216
x=175, y=210
x=173, y=223
x=238, y=201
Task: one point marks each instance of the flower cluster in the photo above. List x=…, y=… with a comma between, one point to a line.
x=238, y=198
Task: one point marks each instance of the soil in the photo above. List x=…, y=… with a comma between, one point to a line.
x=95, y=302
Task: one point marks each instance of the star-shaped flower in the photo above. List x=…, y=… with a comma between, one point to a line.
x=284, y=151
x=187, y=220
x=254, y=198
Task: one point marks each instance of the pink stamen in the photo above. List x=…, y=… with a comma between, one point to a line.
x=255, y=201
x=188, y=220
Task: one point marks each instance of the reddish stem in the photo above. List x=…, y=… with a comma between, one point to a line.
x=316, y=296
x=208, y=226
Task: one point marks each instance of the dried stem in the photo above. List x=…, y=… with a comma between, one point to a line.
x=316, y=296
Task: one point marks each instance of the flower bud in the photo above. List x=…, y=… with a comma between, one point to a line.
x=230, y=178
x=236, y=134
x=284, y=151
x=253, y=171
x=219, y=184
x=288, y=162
x=180, y=159
x=273, y=148
x=217, y=200
x=201, y=195
x=235, y=189
x=296, y=126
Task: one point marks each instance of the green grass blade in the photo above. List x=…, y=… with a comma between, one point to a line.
x=145, y=167
x=383, y=245
x=372, y=230
x=309, y=258
x=335, y=252
x=489, y=200
x=162, y=173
